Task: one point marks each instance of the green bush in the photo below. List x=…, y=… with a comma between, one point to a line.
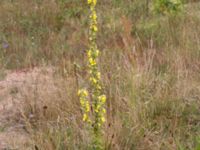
x=167, y=6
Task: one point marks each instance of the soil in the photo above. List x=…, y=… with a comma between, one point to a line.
x=12, y=134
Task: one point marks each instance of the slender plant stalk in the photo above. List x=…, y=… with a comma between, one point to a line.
x=98, y=99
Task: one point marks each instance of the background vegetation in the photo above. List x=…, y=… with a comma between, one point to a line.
x=150, y=64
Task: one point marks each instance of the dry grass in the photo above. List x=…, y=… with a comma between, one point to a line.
x=150, y=67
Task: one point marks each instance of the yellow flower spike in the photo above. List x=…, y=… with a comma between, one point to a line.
x=97, y=98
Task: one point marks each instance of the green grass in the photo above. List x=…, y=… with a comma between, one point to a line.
x=150, y=66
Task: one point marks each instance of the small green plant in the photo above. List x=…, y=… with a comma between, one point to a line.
x=167, y=7
x=97, y=117
x=198, y=144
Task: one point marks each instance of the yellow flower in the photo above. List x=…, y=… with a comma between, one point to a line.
x=97, y=108
x=94, y=27
x=104, y=110
x=83, y=92
x=98, y=75
x=102, y=98
x=82, y=102
x=89, y=1
x=89, y=53
x=92, y=62
x=94, y=16
x=87, y=107
x=79, y=92
x=85, y=117
x=103, y=119
x=93, y=80
x=97, y=53
x=98, y=87
x=94, y=2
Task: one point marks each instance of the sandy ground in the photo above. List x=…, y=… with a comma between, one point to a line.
x=12, y=135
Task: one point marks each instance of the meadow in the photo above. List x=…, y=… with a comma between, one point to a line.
x=150, y=73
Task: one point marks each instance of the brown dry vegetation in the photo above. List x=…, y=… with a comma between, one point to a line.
x=150, y=68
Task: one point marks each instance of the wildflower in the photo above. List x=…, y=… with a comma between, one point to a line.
x=87, y=106
x=93, y=16
x=97, y=108
x=103, y=119
x=99, y=124
x=92, y=61
x=98, y=87
x=89, y=1
x=97, y=98
x=93, y=80
x=85, y=117
x=94, y=2
x=93, y=53
x=82, y=102
x=98, y=75
x=79, y=92
x=97, y=53
x=83, y=94
x=94, y=28
x=102, y=98
x=104, y=110
x=89, y=53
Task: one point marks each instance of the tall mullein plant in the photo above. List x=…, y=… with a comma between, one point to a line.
x=97, y=117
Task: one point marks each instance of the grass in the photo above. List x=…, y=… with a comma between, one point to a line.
x=150, y=68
